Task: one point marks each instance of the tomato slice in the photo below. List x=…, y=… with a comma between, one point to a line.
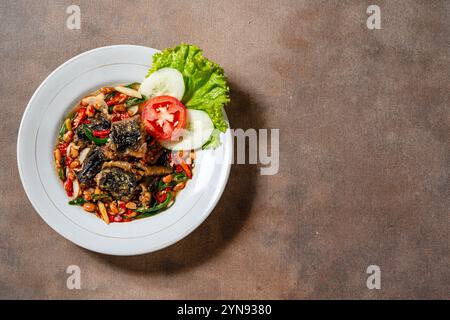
x=164, y=117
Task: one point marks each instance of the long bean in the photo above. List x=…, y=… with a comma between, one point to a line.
x=156, y=207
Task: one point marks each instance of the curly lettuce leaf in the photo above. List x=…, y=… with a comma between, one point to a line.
x=206, y=88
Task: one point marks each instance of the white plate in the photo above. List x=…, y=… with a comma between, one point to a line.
x=43, y=116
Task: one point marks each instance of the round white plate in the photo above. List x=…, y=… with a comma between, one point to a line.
x=49, y=105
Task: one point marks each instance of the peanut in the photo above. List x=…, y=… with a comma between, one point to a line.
x=132, y=214
x=131, y=205
x=89, y=207
x=73, y=152
x=58, y=157
x=90, y=111
x=68, y=136
x=106, y=90
x=119, y=108
x=87, y=195
x=74, y=164
x=167, y=178
x=71, y=175
x=179, y=186
x=113, y=208
x=68, y=124
x=145, y=197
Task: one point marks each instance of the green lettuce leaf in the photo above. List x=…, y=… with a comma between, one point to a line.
x=206, y=87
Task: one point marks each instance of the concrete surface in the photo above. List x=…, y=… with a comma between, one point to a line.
x=364, y=124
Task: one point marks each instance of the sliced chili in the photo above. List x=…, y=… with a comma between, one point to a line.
x=81, y=114
x=186, y=169
x=68, y=186
x=63, y=148
x=120, y=116
x=161, y=196
x=117, y=99
x=68, y=161
x=101, y=133
x=90, y=136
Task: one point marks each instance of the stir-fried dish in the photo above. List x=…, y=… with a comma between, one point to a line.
x=125, y=151
x=110, y=165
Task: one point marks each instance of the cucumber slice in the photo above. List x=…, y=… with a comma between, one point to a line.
x=164, y=82
x=198, y=130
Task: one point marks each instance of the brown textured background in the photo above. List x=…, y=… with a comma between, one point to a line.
x=364, y=123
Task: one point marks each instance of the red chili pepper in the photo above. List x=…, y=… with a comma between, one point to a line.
x=120, y=116
x=112, y=100
x=101, y=133
x=117, y=99
x=118, y=218
x=68, y=186
x=122, y=97
x=161, y=196
x=178, y=169
x=186, y=168
x=122, y=205
x=68, y=161
x=63, y=148
x=81, y=114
